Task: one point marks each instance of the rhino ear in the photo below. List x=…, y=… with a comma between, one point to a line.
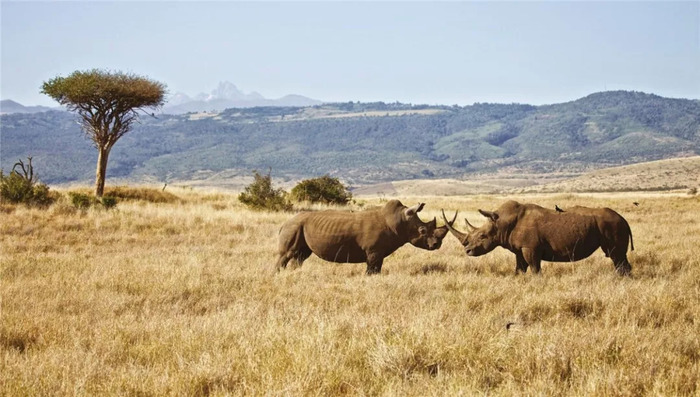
x=414, y=210
x=491, y=215
x=440, y=232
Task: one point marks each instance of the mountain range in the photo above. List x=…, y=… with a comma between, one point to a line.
x=226, y=95
x=364, y=143
x=8, y=106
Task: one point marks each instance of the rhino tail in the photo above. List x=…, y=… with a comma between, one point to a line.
x=629, y=230
x=631, y=240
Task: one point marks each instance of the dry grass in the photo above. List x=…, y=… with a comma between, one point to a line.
x=678, y=173
x=141, y=193
x=179, y=299
x=681, y=174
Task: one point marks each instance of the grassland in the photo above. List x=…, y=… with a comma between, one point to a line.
x=661, y=175
x=179, y=298
x=680, y=174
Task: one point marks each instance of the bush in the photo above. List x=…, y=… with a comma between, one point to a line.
x=84, y=201
x=23, y=188
x=325, y=189
x=109, y=202
x=260, y=195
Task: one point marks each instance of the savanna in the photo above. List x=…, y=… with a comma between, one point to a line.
x=180, y=297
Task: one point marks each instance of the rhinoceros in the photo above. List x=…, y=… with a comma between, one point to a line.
x=535, y=234
x=356, y=237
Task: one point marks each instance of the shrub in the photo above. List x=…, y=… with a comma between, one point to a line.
x=23, y=188
x=84, y=201
x=109, y=202
x=260, y=195
x=81, y=200
x=15, y=189
x=325, y=189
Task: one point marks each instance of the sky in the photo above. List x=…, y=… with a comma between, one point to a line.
x=412, y=52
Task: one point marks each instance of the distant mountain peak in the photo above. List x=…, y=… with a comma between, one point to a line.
x=178, y=98
x=228, y=95
x=9, y=106
x=255, y=95
x=9, y=102
x=226, y=90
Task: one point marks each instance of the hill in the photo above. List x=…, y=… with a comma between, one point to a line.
x=365, y=143
x=670, y=174
x=661, y=175
x=10, y=106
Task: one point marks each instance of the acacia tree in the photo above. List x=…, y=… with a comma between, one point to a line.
x=108, y=104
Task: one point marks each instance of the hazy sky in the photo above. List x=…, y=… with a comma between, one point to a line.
x=417, y=52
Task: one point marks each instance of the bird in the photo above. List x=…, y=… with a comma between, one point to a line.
x=510, y=324
x=636, y=204
x=556, y=207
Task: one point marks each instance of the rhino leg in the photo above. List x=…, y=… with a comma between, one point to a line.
x=282, y=261
x=623, y=268
x=520, y=263
x=533, y=258
x=374, y=263
x=622, y=265
x=292, y=246
x=298, y=257
x=617, y=252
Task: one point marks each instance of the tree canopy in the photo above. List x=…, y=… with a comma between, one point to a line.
x=108, y=103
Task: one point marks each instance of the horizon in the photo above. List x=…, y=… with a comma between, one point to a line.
x=56, y=106
x=418, y=53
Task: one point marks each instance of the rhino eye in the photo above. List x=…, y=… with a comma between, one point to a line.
x=483, y=236
x=423, y=230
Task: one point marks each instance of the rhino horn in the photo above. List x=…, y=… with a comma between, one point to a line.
x=462, y=237
x=452, y=222
x=469, y=225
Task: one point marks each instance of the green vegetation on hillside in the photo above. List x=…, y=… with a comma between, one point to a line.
x=372, y=142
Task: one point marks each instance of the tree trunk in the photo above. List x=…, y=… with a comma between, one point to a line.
x=101, y=171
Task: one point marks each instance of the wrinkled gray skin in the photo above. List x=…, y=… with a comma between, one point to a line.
x=535, y=234
x=355, y=237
